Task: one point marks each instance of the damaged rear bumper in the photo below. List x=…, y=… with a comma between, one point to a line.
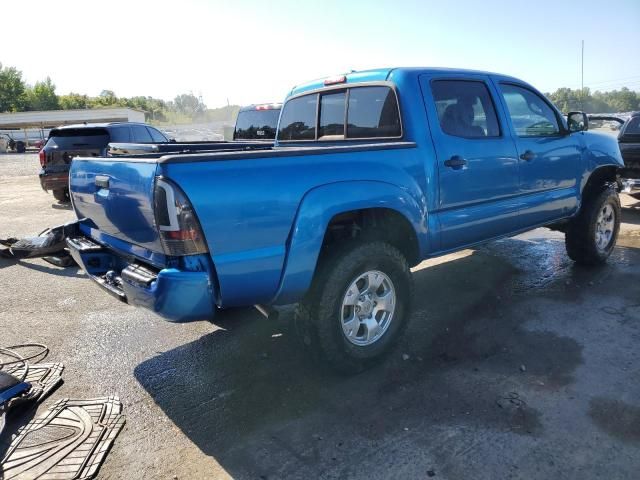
x=54, y=181
x=176, y=295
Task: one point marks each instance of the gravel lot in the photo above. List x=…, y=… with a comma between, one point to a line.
x=517, y=364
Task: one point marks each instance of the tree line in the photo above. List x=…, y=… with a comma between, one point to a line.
x=17, y=96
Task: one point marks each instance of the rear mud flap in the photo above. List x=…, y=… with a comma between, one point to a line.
x=70, y=441
x=49, y=245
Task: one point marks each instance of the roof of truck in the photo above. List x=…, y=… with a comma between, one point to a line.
x=382, y=74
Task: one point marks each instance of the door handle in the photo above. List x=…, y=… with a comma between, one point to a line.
x=528, y=156
x=456, y=162
x=102, y=181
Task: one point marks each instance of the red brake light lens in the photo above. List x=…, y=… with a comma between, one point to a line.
x=43, y=157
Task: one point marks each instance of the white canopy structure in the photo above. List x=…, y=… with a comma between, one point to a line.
x=54, y=118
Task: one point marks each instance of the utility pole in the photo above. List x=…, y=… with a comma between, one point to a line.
x=582, y=78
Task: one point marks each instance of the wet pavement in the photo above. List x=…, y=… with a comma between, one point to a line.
x=516, y=364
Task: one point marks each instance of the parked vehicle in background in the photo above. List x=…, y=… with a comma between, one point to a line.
x=11, y=144
x=629, y=142
x=371, y=173
x=257, y=122
x=255, y=129
x=87, y=139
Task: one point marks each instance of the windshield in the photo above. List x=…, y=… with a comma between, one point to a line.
x=256, y=125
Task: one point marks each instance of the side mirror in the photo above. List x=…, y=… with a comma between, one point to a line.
x=577, y=121
x=172, y=140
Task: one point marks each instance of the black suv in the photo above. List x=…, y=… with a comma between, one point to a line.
x=87, y=139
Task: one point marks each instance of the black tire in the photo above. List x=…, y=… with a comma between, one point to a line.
x=61, y=194
x=318, y=315
x=21, y=147
x=580, y=238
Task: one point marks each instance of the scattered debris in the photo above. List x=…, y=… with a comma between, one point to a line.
x=405, y=357
x=49, y=244
x=431, y=473
x=523, y=368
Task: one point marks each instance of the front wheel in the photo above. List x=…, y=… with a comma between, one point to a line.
x=592, y=235
x=357, y=306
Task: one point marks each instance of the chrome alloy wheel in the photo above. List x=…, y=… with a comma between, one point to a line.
x=605, y=225
x=367, y=308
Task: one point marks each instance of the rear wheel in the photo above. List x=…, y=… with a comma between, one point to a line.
x=61, y=194
x=358, y=305
x=592, y=235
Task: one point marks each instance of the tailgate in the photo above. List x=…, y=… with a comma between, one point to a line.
x=115, y=198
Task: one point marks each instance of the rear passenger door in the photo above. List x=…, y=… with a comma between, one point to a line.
x=549, y=156
x=476, y=159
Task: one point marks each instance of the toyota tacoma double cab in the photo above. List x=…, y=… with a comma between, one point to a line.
x=371, y=173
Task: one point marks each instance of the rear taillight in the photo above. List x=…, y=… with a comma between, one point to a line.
x=43, y=158
x=178, y=226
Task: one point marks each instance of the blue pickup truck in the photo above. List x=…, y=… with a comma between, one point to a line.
x=371, y=173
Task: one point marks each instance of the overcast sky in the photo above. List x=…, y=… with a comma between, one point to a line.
x=251, y=51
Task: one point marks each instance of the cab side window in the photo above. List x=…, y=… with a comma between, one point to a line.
x=530, y=115
x=465, y=108
x=120, y=134
x=140, y=134
x=157, y=136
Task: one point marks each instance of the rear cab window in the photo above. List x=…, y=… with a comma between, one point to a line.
x=70, y=138
x=344, y=113
x=256, y=124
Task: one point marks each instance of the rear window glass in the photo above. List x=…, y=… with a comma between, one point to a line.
x=298, y=121
x=373, y=112
x=256, y=124
x=79, y=137
x=332, y=114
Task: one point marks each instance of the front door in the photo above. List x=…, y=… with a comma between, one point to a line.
x=549, y=156
x=476, y=159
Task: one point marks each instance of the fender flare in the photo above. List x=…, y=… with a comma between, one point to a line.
x=316, y=210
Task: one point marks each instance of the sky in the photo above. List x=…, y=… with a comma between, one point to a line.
x=249, y=51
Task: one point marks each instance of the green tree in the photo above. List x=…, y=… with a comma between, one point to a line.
x=190, y=105
x=12, y=90
x=43, y=96
x=107, y=98
x=73, y=101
